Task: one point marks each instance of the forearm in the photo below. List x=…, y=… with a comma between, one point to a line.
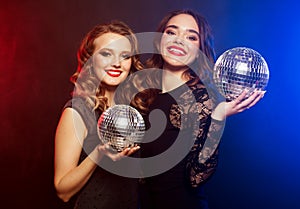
x=201, y=173
x=73, y=181
x=204, y=155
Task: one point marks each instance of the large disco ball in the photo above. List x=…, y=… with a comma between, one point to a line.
x=238, y=69
x=121, y=126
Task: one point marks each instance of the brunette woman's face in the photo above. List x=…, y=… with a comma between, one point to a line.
x=112, y=58
x=180, y=41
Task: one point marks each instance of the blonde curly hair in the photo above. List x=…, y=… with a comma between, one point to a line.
x=86, y=83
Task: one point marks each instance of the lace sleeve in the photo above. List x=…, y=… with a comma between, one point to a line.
x=203, y=157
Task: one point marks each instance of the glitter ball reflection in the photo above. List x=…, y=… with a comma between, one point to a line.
x=121, y=126
x=238, y=69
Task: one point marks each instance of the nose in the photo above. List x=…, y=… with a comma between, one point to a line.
x=179, y=40
x=116, y=62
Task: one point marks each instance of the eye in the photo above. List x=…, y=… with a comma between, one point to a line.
x=126, y=56
x=105, y=53
x=192, y=38
x=170, y=32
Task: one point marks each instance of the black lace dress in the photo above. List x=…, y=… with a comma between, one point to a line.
x=104, y=190
x=187, y=109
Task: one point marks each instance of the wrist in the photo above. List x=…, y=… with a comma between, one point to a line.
x=219, y=112
x=97, y=154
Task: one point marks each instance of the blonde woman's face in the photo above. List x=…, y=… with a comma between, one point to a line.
x=180, y=41
x=112, y=58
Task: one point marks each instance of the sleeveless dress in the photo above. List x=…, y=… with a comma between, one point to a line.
x=103, y=190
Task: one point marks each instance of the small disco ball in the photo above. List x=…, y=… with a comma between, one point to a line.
x=121, y=126
x=238, y=69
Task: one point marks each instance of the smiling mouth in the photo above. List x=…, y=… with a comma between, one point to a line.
x=176, y=51
x=113, y=73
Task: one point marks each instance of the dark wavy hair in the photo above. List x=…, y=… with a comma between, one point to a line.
x=200, y=69
x=87, y=85
x=203, y=64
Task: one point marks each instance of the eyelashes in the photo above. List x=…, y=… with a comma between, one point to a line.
x=108, y=53
x=190, y=37
x=105, y=54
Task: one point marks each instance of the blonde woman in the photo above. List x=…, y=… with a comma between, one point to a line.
x=106, y=57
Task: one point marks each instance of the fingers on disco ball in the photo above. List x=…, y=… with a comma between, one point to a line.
x=121, y=126
x=239, y=69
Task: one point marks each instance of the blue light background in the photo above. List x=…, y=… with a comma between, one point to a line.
x=259, y=155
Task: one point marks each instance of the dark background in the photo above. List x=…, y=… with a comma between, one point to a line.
x=259, y=160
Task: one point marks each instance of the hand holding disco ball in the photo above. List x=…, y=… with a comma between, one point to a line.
x=121, y=126
x=240, y=69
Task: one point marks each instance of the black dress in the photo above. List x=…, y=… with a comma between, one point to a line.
x=187, y=109
x=103, y=190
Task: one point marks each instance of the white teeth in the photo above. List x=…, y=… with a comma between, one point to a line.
x=114, y=73
x=176, y=50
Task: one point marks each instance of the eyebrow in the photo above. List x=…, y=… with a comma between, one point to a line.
x=112, y=51
x=189, y=30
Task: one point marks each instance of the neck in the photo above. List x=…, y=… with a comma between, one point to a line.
x=172, y=77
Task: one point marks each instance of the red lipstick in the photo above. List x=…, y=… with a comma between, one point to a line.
x=114, y=73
